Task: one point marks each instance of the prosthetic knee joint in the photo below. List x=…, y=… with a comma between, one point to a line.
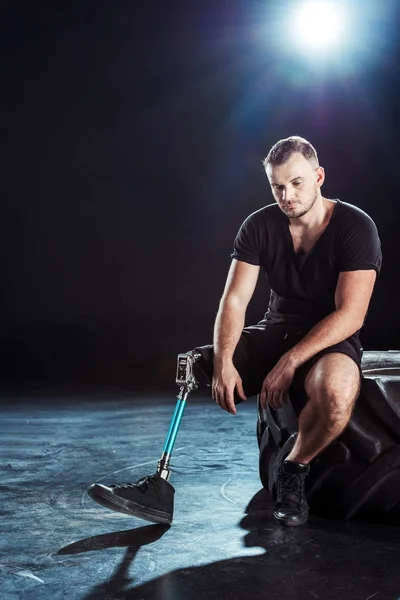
x=186, y=380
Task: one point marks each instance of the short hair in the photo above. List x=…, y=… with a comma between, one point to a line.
x=283, y=150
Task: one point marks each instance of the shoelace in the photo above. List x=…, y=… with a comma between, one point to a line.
x=142, y=485
x=290, y=489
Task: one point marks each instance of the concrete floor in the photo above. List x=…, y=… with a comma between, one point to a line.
x=57, y=543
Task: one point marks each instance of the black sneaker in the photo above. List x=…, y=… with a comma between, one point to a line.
x=151, y=498
x=291, y=507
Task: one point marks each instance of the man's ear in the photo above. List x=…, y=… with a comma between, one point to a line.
x=320, y=176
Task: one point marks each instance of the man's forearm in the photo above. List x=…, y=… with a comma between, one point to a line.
x=228, y=328
x=331, y=330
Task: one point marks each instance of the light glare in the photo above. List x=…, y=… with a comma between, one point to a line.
x=319, y=25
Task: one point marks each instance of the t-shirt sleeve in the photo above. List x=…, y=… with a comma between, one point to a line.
x=359, y=245
x=247, y=246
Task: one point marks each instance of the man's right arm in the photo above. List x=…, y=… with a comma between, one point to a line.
x=240, y=285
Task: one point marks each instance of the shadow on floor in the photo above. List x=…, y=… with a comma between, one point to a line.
x=320, y=560
x=134, y=538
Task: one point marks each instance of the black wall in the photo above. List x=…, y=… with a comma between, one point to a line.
x=132, y=140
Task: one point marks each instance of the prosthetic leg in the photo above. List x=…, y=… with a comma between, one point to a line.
x=152, y=497
x=186, y=379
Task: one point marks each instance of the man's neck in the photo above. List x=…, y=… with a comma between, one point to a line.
x=316, y=217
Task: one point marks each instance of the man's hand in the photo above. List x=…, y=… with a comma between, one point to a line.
x=225, y=380
x=277, y=383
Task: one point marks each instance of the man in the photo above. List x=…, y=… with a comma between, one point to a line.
x=321, y=258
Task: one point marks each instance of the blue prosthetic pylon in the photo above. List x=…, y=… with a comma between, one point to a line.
x=186, y=379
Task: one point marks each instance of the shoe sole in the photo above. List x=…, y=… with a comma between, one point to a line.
x=109, y=500
x=290, y=522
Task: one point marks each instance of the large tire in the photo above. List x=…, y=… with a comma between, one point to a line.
x=358, y=475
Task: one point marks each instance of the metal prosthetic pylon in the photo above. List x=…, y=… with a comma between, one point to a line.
x=186, y=379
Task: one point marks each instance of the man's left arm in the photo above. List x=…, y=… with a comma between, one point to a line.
x=352, y=297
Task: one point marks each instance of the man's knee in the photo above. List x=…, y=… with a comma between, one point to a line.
x=333, y=385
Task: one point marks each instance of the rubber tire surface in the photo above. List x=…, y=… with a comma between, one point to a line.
x=358, y=475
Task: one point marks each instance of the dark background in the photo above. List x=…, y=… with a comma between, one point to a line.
x=132, y=140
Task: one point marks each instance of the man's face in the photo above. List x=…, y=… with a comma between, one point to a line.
x=295, y=185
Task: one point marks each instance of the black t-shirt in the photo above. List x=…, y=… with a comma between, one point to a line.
x=303, y=285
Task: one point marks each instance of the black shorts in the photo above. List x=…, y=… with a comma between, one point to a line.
x=259, y=349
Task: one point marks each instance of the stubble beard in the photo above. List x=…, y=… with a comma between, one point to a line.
x=297, y=212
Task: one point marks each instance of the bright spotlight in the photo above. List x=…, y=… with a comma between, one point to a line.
x=319, y=25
